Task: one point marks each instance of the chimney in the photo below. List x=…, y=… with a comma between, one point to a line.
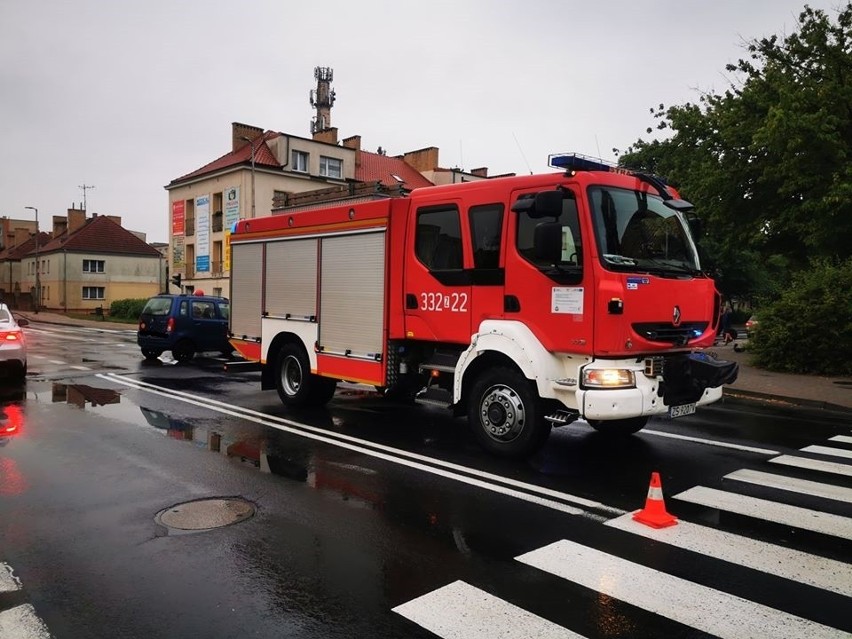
x=60, y=225
x=353, y=142
x=115, y=218
x=423, y=159
x=480, y=172
x=326, y=135
x=76, y=219
x=239, y=130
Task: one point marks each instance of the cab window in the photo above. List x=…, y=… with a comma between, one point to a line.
x=437, y=239
x=486, y=227
x=571, y=240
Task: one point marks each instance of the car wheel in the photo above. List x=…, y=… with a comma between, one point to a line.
x=183, y=351
x=150, y=353
x=504, y=412
x=296, y=385
x=619, y=427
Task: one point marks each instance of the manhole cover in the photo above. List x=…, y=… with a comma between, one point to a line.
x=205, y=514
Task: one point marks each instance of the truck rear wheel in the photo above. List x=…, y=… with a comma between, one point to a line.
x=619, y=427
x=296, y=385
x=505, y=413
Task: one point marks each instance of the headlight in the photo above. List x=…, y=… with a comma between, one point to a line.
x=608, y=378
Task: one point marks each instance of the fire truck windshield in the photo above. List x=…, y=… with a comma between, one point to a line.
x=636, y=232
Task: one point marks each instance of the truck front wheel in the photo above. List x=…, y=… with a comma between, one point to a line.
x=505, y=413
x=296, y=385
x=619, y=427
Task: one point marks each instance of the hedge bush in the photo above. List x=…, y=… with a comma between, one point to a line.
x=127, y=309
x=809, y=328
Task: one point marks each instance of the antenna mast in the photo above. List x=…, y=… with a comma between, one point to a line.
x=85, y=188
x=322, y=98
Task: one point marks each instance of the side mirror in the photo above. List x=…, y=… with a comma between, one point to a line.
x=544, y=204
x=23, y=322
x=696, y=226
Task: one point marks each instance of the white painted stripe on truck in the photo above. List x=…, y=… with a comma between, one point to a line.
x=707, y=609
x=801, y=567
x=462, y=611
x=792, y=516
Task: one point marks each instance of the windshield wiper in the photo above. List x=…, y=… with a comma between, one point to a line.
x=668, y=266
x=619, y=259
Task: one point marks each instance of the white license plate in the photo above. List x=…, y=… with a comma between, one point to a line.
x=680, y=411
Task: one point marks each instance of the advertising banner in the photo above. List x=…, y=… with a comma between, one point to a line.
x=232, y=216
x=202, y=234
x=178, y=217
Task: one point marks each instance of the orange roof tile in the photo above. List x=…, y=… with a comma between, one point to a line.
x=263, y=156
x=373, y=167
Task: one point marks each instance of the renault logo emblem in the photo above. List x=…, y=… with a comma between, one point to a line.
x=676, y=316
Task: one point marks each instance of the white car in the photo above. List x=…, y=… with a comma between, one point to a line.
x=13, y=345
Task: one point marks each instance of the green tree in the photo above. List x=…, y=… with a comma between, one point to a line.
x=769, y=161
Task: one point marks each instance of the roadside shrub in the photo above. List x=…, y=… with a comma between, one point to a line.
x=809, y=328
x=127, y=308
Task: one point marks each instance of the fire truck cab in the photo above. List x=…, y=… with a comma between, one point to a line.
x=521, y=302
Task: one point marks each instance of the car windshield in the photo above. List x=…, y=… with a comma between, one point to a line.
x=637, y=232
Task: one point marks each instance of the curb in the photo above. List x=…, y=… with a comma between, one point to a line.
x=756, y=396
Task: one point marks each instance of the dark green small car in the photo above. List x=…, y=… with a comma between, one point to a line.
x=184, y=325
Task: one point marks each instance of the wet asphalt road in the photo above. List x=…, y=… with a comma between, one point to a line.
x=380, y=520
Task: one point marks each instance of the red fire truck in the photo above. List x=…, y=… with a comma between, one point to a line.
x=522, y=302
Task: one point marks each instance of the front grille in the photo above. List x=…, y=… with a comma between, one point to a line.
x=667, y=332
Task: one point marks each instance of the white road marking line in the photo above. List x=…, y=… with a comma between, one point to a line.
x=794, y=516
x=845, y=439
x=461, y=611
x=828, y=450
x=791, y=484
x=711, y=442
x=22, y=622
x=707, y=609
x=396, y=456
x=8, y=581
x=787, y=563
x=57, y=361
x=80, y=368
x=814, y=464
x=36, y=356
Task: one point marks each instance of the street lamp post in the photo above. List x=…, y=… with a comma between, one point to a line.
x=251, y=143
x=37, y=269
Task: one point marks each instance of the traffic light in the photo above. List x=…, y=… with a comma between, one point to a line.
x=176, y=280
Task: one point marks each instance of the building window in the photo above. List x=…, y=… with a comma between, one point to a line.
x=331, y=167
x=300, y=161
x=93, y=266
x=93, y=292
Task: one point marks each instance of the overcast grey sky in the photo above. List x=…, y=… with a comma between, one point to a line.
x=127, y=96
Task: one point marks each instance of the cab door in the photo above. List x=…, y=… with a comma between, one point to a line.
x=437, y=278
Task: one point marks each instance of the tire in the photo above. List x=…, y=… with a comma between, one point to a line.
x=619, y=427
x=183, y=351
x=505, y=413
x=296, y=385
x=151, y=353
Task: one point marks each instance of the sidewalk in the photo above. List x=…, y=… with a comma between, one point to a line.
x=828, y=393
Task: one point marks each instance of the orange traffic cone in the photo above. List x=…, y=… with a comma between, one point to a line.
x=654, y=514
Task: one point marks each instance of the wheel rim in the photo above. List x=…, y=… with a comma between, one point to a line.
x=291, y=375
x=501, y=413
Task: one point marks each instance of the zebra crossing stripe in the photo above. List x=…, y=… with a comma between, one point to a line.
x=828, y=450
x=21, y=622
x=801, y=567
x=706, y=609
x=462, y=611
x=814, y=464
x=791, y=484
x=793, y=516
x=8, y=581
x=843, y=439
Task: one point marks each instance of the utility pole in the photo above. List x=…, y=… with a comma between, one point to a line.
x=85, y=188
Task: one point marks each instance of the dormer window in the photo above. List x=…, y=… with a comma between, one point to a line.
x=300, y=161
x=331, y=167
